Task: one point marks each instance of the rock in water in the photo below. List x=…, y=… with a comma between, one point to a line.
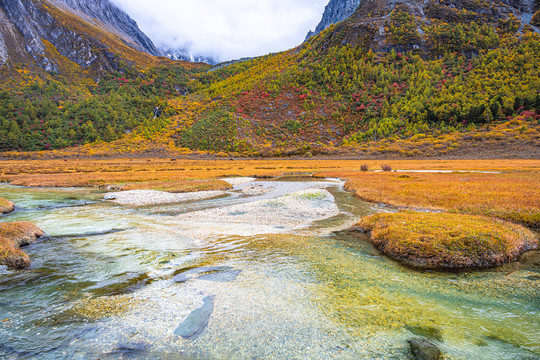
x=197, y=321
x=12, y=237
x=222, y=276
x=208, y=273
x=426, y=332
x=424, y=349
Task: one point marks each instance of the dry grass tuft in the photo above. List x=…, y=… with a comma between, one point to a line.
x=448, y=241
x=13, y=236
x=6, y=206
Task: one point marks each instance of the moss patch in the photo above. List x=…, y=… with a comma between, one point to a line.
x=447, y=241
x=104, y=307
x=12, y=237
x=6, y=206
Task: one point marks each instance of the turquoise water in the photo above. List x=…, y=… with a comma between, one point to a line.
x=102, y=286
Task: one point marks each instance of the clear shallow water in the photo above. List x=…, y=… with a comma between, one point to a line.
x=313, y=293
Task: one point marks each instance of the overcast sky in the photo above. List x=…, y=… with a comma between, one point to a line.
x=228, y=29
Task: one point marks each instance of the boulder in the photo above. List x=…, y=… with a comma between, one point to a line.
x=424, y=349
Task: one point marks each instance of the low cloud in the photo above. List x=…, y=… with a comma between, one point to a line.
x=226, y=29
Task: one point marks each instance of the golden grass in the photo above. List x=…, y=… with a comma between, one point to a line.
x=513, y=196
x=12, y=237
x=181, y=186
x=448, y=241
x=6, y=206
x=94, y=172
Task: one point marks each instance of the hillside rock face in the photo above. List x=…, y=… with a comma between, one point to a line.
x=115, y=19
x=335, y=11
x=49, y=35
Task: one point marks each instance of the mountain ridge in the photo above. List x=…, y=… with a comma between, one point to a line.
x=59, y=35
x=334, y=12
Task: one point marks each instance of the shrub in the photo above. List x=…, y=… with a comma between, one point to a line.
x=364, y=167
x=386, y=167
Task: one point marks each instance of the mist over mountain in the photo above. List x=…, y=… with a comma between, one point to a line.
x=224, y=30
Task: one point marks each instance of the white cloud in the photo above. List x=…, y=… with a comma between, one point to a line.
x=227, y=29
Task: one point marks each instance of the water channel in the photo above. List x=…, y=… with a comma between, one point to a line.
x=248, y=275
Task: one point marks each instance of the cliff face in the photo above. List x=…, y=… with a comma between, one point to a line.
x=53, y=35
x=113, y=18
x=335, y=11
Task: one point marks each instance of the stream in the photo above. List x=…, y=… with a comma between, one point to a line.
x=259, y=273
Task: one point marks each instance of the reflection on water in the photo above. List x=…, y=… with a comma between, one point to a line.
x=103, y=286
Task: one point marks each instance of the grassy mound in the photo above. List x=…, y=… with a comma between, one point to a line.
x=6, y=206
x=12, y=237
x=448, y=241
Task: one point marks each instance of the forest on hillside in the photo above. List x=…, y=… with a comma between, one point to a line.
x=320, y=94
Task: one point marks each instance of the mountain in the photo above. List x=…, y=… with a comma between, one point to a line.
x=335, y=11
x=416, y=78
x=402, y=78
x=91, y=37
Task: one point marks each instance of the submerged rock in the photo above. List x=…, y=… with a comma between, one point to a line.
x=6, y=206
x=222, y=276
x=208, y=273
x=13, y=236
x=128, y=351
x=428, y=332
x=197, y=321
x=424, y=349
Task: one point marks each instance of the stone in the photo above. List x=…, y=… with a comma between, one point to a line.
x=197, y=321
x=221, y=276
x=208, y=273
x=424, y=349
x=426, y=331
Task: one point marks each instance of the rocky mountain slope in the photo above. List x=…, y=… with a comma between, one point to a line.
x=335, y=11
x=397, y=78
x=69, y=36
x=432, y=26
